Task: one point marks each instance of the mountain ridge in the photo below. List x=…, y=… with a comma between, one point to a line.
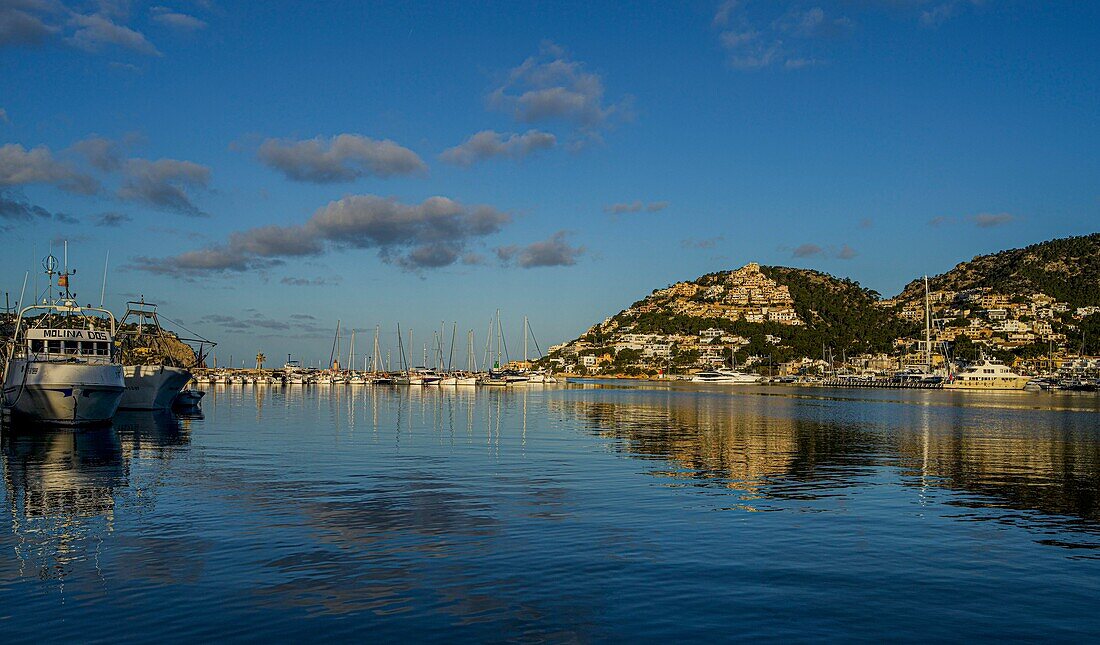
x=784, y=313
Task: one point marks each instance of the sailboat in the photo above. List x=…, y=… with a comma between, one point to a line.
x=378, y=377
x=61, y=366
x=537, y=376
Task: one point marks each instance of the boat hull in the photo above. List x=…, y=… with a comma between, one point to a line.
x=189, y=398
x=152, y=387
x=63, y=393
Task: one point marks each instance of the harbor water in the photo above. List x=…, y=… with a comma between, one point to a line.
x=595, y=511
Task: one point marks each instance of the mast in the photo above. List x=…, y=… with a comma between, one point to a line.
x=103, y=286
x=927, y=327
x=351, y=352
x=489, y=343
x=333, y=355
x=470, y=361
x=374, y=355
x=450, y=358
x=525, y=328
x=401, y=347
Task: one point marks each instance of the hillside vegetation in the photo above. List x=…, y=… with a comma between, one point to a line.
x=1066, y=269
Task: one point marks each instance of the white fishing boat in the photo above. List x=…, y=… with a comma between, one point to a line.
x=60, y=365
x=987, y=374
x=156, y=363
x=725, y=376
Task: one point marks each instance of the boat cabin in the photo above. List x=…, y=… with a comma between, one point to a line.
x=69, y=343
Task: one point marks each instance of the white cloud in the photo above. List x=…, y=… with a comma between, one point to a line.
x=342, y=158
x=551, y=252
x=164, y=184
x=175, y=19
x=96, y=31
x=19, y=166
x=488, y=144
x=431, y=234
x=635, y=206
x=551, y=87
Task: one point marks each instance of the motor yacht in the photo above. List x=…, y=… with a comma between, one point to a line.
x=725, y=376
x=987, y=374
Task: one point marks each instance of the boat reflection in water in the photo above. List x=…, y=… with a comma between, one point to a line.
x=61, y=488
x=64, y=487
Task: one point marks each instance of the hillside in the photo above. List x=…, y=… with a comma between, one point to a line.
x=776, y=312
x=1067, y=270
x=1021, y=303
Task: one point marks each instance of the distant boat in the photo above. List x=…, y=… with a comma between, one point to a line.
x=987, y=374
x=725, y=376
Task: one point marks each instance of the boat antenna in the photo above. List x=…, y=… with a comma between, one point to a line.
x=22, y=292
x=103, y=286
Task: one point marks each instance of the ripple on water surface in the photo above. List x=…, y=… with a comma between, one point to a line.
x=560, y=513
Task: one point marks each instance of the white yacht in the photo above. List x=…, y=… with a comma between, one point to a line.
x=987, y=374
x=60, y=366
x=725, y=376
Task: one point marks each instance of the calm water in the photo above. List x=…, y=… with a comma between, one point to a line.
x=591, y=512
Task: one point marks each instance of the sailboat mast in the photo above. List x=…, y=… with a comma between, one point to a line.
x=470, y=352
x=489, y=343
x=500, y=337
x=927, y=326
x=450, y=357
x=374, y=355
x=335, y=342
x=401, y=347
x=525, y=339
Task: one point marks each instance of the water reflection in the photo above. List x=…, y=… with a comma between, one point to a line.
x=772, y=449
x=64, y=486
x=61, y=495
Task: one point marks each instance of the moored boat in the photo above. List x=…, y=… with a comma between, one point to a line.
x=987, y=374
x=156, y=363
x=725, y=376
x=61, y=367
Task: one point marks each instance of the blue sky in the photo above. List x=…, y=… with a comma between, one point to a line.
x=264, y=169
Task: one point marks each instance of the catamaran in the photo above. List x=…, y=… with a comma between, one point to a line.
x=61, y=366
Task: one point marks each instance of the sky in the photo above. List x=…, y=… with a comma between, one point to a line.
x=263, y=169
